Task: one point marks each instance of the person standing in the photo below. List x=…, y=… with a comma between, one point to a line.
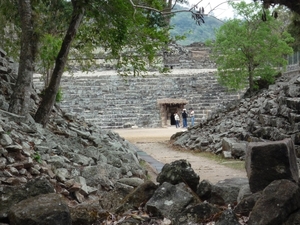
x=192, y=115
x=177, y=120
x=184, y=118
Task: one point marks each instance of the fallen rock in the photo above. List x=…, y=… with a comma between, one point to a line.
x=11, y=195
x=169, y=200
x=199, y=213
x=137, y=197
x=226, y=191
x=41, y=210
x=277, y=202
x=269, y=161
x=177, y=172
x=87, y=214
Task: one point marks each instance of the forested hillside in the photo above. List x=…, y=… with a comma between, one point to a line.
x=183, y=23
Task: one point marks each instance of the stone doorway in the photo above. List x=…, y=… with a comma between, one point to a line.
x=167, y=108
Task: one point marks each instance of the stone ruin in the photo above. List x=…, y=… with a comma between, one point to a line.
x=72, y=172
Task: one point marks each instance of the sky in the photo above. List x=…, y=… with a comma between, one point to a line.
x=221, y=11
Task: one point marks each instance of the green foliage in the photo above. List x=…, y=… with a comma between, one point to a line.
x=249, y=48
x=49, y=48
x=116, y=26
x=37, y=157
x=49, y=17
x=59, y=95
x=10, y=23
x=132, y=37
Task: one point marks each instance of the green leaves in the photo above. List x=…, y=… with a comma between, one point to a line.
x=132, y=36
x=247, y=49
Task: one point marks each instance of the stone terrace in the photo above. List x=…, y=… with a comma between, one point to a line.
x=111, y=101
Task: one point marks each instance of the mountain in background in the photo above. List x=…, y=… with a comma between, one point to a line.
x=183, y=24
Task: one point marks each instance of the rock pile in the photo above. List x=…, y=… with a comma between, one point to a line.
x=72, y=172
x=77, y=161
x=271, y=115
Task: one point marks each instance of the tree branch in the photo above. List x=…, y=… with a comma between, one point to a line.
x=162, y=12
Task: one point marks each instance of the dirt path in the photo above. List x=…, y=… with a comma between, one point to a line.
x=154, y=143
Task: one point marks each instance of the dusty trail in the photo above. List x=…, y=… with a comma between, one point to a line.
x=154, y=141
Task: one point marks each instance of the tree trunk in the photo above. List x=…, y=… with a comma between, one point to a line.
x=169, y=10
x=251, y=81
x=20, y=99
x=43, y=113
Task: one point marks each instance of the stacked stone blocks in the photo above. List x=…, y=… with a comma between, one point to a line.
x=113, y=102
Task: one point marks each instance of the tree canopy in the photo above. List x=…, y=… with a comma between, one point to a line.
x=247, y=48
x=133, y=32
x=138, y=28
x=294, y=5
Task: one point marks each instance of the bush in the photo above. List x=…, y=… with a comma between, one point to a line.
x=59, y=95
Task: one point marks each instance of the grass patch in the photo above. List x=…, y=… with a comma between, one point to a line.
x=231, y=163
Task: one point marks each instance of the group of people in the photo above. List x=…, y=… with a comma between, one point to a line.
x=184, y=116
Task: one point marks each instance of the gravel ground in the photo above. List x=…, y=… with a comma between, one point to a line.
x=154, y=141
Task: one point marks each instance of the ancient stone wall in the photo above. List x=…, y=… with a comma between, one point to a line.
x=194, y=56
x=111, y=101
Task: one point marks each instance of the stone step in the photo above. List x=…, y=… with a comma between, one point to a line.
x=111, y=102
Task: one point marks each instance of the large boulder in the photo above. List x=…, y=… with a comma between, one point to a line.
x=226, y=191
x=245, y=206
x=237, y=149
x=169, y=200
x=138, y=196
x=278, y=201
x=177, y=172
x=87, y=214
x=10, y=195
x=41, y=210
x=269, y=161
x=196, y=214
x=222, y=193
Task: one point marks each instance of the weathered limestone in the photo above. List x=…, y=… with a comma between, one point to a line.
x=196, y=214
x=278, y=201
x=111, y=101
x=177, y=172
x=269, y=161
x=168, y=200
x=271, y=114
x=41, y=210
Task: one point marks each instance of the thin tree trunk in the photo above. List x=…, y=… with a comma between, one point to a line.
x=20, y=99
x=43, y=113
x=251, y=81
x=169, y=10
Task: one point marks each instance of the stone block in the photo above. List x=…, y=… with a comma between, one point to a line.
x=269, y=161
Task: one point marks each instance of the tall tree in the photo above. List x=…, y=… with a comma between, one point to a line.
x=131, y=33
x=25, y=25
x=20, y=101
x=134, y=35
x=42, y=114
x=249, y=48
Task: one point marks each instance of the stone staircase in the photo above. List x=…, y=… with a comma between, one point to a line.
x=111, y=101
